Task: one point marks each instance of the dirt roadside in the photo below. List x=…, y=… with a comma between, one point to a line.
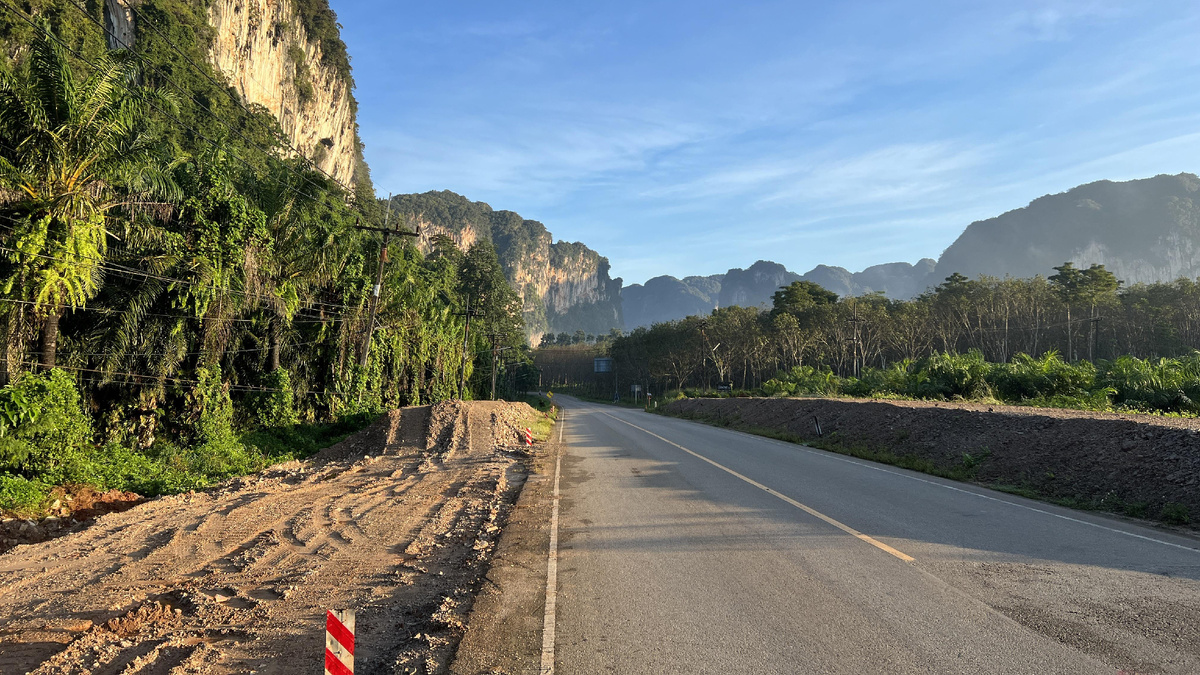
x=504, y=633
x=398, y=522
x=1144, y=466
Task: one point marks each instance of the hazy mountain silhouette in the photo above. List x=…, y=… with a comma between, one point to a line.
x=1144, y=230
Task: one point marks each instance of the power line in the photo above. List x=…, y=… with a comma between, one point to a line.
x=151, y=354
x=122, y=269
x=139, y=376
x=190, y=317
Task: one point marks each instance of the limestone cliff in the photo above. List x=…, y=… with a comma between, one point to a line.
x=564, y=287
x=265, y=51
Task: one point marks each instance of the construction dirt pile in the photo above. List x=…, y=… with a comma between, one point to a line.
x=397, y=523
x=70, y=509
x=1142, y=465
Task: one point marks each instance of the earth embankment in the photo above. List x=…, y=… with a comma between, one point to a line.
x=398, y=522
x=1141, y=465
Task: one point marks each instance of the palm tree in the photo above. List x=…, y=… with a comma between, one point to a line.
x=71, y=154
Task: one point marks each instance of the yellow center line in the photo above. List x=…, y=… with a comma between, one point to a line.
x=807, y=509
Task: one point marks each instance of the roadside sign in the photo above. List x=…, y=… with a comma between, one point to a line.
x=602, y=364
x=339, y=642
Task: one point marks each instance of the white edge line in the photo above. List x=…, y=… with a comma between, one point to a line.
x=552, y=568
x=835, y=456
x=807, y=509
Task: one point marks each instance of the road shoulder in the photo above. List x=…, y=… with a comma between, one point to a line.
x=504, y=631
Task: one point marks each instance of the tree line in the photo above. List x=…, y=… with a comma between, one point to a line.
x=1071, y=316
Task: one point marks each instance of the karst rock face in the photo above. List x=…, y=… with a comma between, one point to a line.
x=265, y=52
x=564, y=286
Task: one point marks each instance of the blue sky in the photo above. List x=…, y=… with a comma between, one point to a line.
x=690, y=137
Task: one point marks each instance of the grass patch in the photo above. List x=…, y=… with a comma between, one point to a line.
x=283, y=444
x=22, y=497
x=542, y=425
x=167, y=468
x=1175, y=514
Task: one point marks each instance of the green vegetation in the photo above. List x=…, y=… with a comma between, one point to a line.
x=181, y=302
x=984, y=340
x=1126, y=383
x=321, y=26
x=542, y=426
x=523, y=247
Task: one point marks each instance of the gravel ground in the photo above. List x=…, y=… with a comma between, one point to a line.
x=1134, y=464
x=398, y=522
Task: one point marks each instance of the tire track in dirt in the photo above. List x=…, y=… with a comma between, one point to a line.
x=397, y=522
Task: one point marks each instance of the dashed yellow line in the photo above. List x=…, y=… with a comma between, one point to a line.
x=807, y=509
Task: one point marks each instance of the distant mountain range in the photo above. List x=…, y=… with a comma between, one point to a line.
x=1142, y=230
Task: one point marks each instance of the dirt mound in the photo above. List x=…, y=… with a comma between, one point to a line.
x=392, y=523
x=1142, y=465
x=71, y=507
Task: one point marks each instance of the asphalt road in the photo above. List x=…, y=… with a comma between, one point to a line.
x=685, y=548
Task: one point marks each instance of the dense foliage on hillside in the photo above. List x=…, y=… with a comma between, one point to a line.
x=321, y=25
x=563, y=286
x=176, y=297
x=982, y=338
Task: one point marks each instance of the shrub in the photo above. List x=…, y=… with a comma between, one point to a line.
x=944, y=375
x=1161, y=385
x=893, y=380
x=804, y=380
x=45, y=428
x=1044, y=378
x=276, y=408
x=212, y=408
x=1175, y=514
x=20, y=495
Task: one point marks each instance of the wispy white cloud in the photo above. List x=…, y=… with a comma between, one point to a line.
x=1059, y=20
x=827, y=126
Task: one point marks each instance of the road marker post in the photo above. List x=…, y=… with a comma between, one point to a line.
x=528, y=436
x=339, y=642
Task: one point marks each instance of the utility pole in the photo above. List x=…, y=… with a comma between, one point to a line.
x=855, y=322
x=383, y=258
x=1095, y=325
x=462, y=382
x=495, y=355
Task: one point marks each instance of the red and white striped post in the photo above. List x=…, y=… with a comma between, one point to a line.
x=528, y=436
x=339, y=642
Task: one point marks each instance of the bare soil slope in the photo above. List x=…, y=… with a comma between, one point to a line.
x=1139, y=464
x=397, y=522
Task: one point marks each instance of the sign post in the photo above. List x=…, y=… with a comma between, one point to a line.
x=339, y=642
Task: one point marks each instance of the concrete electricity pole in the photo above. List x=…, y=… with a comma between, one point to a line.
x=495, y=355
x=383, y=258
x=468, y=313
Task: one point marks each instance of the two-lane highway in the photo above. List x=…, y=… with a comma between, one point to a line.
x=685, y=548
